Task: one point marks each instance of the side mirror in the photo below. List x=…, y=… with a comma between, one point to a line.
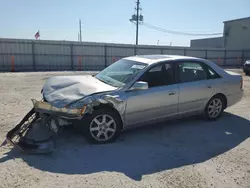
x=139, y=86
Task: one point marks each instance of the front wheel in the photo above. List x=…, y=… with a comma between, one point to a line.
x=214, y=108
x=102, y=126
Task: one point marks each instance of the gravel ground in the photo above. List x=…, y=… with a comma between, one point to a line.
x=180, y=153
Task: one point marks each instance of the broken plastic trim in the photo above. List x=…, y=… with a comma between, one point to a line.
x=16, y=136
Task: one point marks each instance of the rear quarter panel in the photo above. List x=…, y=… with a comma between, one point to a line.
x=229, y=85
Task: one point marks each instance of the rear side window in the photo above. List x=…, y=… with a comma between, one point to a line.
x=212, y=74
x=191, y=72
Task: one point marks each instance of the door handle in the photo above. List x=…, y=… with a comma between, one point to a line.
x=209, y=86
x=171, y=93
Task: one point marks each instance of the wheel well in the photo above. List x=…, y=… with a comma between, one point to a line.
x=223, y=97
x=111, y=108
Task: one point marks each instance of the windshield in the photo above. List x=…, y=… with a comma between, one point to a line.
x=121, y=72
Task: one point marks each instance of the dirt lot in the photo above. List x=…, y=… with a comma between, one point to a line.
x=181, y=153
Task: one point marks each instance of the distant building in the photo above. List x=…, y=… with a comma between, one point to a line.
x=236, y=35
x=208, y=43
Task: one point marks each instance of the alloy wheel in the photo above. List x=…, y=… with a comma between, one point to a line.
x=215, y=108
x=102, y=127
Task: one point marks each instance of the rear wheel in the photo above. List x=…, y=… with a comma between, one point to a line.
x=214, y=108
x=102, y=126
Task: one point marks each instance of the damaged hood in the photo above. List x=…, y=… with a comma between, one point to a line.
x=60, y=91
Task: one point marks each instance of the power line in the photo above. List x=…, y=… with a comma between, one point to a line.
x=178, y=32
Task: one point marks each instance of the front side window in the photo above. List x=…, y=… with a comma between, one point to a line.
x=190, y=72
x=159, y=75
x=121, y=72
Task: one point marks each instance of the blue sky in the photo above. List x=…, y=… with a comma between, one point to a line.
x=108, y=20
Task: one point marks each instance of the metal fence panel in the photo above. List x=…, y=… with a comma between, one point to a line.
x=173, y=51
x=233, y=62
x=246, y=56
x=145, y=51
x=15, y=48
x=119, y=51
x=88, y=50
x=196, y=53
x=215, y=54
x=89, y=63
x=53, y=62
x=233, y=54
x=36, y=55
x=54, y=49
x=16, y=63
x=5, y=63
x=217, y=61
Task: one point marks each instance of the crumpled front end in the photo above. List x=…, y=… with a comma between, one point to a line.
x=37, y=131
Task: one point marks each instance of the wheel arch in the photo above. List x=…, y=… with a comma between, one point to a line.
x=110, y=107
x=223, y=96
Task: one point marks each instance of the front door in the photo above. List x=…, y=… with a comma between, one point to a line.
x=160, y=100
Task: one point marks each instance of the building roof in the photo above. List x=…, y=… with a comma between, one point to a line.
x=239, y=19
x=150, y=59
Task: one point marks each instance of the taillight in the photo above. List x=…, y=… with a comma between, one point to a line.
x=241, y=83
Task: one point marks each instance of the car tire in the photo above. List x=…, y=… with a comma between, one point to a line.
x=101, y=127
x=214, y=108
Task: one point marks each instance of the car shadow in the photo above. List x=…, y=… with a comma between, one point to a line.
x=144, y=150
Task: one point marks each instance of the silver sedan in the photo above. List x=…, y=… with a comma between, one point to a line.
x=144, y=89
x=136, y=91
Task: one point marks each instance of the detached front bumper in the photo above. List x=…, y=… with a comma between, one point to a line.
x=45, y=117
x=18, y=136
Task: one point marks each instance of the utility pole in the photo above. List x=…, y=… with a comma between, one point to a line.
x=137, y=20
x=80, y=27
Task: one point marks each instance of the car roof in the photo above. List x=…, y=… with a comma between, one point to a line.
x=151, y=59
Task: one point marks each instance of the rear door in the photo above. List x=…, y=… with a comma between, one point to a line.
x=194, y=86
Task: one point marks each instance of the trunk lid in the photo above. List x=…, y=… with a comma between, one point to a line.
x=233, y=73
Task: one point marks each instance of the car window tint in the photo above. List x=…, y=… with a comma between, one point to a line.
x=212, y=74
x=190, y=72
x=156, y=69
x=159, y=75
